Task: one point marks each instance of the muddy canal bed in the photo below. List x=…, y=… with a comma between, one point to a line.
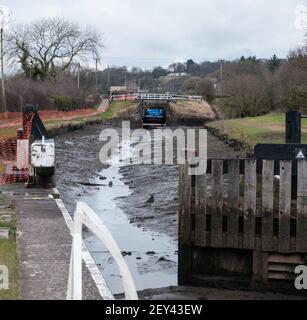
x=139, y=205
x=151, y=256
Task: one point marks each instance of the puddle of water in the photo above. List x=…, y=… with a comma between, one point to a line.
x=151, y=257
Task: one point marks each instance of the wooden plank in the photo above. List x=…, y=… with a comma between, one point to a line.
x=301, y=233
x=273, y=275
x=217, y=204
x=185, y=187
x=233, y=204
x=281, y=267
x=257, y=265
x=200, y=210
x=265, y=264
x=182, y=172
x=267, y=205
x=287, y=259
x=185, y=265
x=284, y=206
x=250, y=189
x=181, y=169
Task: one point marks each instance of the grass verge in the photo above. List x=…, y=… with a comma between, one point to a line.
x=115, y=107
x=251, y=131
x=8, y=258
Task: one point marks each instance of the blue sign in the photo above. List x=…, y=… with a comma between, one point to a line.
x=154, y=113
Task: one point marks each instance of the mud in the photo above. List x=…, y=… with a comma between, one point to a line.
x=77, y=163
x=153, y=200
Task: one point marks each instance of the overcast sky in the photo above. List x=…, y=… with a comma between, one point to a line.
x=149, y=33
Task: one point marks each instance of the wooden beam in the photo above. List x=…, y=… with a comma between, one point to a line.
x=285, y=206
x=250, y=189
x=233, y=204
x=217, y=204
x=301, y=233
x=267, y=205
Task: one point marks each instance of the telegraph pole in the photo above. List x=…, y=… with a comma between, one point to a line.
x=78, y=72
x=5, y=14
x=2, y=74
x=221, y=70
x=109, y=78
x=96, y=74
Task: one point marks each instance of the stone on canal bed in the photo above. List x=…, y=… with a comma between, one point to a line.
x=151, y=199
x=151, y=253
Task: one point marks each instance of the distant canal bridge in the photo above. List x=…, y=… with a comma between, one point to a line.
x=154, y=107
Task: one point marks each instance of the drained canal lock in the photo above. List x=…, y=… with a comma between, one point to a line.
x=138, y=203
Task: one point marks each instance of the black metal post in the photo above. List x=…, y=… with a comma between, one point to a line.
x=293, y=127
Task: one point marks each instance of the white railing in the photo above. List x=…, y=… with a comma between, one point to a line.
x=123, y=97
x=154, y=96
x=84, y=215
x=185, y=97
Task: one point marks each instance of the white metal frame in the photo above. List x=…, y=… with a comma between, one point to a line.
x=84, y=215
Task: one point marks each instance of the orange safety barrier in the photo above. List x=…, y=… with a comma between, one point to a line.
x=9, y=172
x=12, y=119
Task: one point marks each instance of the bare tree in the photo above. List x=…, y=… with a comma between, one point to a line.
x=5, y=14
x=291, y=81
x=48, y=46
x=248, y=95
x=199, y=86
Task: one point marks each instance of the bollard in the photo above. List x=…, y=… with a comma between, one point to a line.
x=293, y=127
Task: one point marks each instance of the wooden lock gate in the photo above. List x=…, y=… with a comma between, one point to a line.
x=242, y=222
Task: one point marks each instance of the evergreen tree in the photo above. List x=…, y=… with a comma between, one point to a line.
x=274, y=63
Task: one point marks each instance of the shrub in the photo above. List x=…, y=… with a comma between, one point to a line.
x=62, y=94
x=65, y=103
x=291, y=82
x=247, y=95
x=199, y=86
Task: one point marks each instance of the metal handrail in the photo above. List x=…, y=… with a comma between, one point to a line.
x=84, y=215
x=154, y=96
